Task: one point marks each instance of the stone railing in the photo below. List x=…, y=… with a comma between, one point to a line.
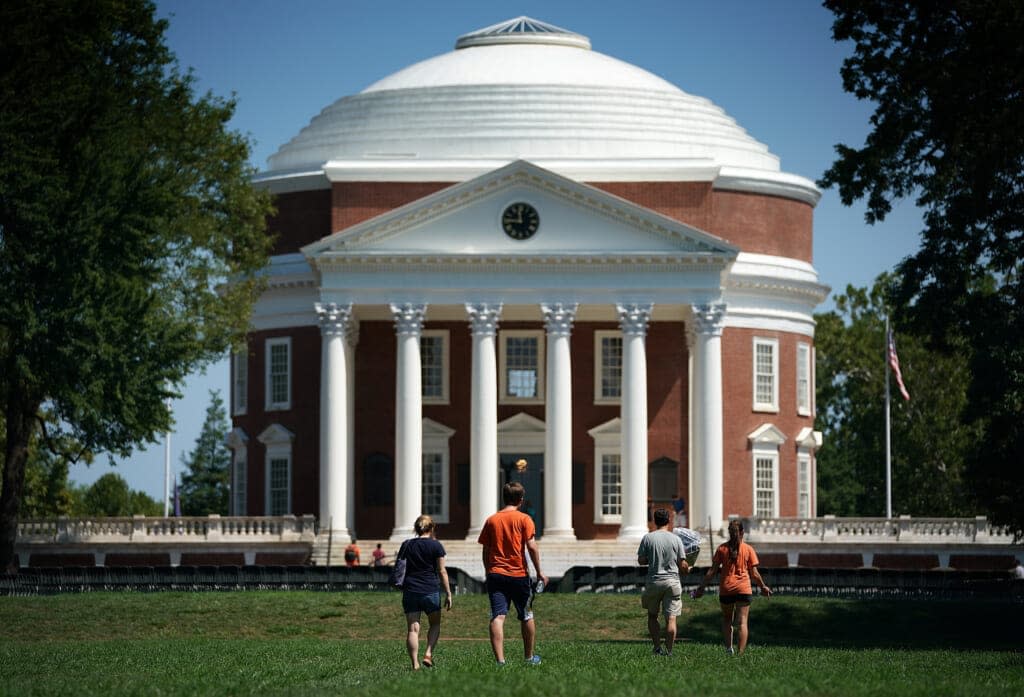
x=904, y=529
x=187, y=530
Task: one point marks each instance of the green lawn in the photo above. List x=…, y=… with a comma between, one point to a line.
x=308, y=643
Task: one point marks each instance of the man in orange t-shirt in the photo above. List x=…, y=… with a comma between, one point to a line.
x=507, y=537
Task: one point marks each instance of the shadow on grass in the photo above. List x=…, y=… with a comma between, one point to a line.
x=915, y=624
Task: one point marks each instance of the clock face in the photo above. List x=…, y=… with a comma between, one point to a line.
x=520, y=221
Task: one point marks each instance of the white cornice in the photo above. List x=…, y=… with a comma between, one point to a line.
x=759, y=181
x=454, y=263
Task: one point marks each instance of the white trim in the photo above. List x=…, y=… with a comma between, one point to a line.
x=278, y=441
x=771, y=453
x=445, y=337
x=803, y=466
x=436, y=437
x=240, y=381
x=607, y=441
x=503, y=336
x=269, y=344
x=237, y=441
x=773, y=405
x=803, y=393
x=521, y=433
x=599, y=336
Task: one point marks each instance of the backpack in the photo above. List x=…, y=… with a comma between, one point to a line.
x=350, y=555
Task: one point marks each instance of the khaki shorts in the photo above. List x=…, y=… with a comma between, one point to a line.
x=664, y=593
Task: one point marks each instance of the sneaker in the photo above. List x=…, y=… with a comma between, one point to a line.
x=729, y=651
x=501, y=664
x=658, y=651
x=533, y=660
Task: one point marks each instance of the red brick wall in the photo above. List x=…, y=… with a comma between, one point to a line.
x=763, y=224
x=739, y=419
x=303, y=419
x=301, y=218
x=354, y=202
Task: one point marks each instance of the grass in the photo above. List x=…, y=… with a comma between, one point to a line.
x=308, y=643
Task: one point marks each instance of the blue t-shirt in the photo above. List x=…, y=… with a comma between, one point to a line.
x=421, y=555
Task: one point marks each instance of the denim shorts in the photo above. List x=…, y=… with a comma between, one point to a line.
x=510, y=590
x=421, y=602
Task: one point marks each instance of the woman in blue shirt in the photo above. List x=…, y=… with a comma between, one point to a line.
x=424, y=559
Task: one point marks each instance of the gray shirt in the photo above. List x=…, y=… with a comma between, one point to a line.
x=663, y=551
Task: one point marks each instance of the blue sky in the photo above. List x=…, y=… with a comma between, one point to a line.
x=772, y=65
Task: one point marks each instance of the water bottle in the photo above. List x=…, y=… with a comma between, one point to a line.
x=539, y=588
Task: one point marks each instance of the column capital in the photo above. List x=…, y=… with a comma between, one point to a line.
x=408, y=318
x=483, y=318
x=352, y=333
x=709, y=319
x=558, y=317
x=335, y=319
x=633, y=319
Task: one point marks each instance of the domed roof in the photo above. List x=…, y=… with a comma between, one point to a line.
x=523, y=89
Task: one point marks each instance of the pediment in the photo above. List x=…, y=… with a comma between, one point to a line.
x=766, y=434
x=522, y=423
x=276, y=434
x=576, y=220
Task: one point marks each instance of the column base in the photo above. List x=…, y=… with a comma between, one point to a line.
x=632, y=533
x=566, y=535
x=474, y=534
x=401, y=534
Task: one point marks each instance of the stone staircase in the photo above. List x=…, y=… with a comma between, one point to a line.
x=556, y=556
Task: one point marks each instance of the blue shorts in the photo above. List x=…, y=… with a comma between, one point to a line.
x=421, y=602
x=506, y=590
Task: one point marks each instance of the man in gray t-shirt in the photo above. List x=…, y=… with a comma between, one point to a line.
x=662, y=552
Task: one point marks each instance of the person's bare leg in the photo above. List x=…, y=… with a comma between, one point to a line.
x=741, y=617
x=412, y=639
x=727, y=611
x=670, y=633
x=433, y=634
x=654, y=628
x=497, y=629
x=529, y=637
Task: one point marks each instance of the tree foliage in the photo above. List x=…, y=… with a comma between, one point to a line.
x=204, y=487
x=111, y=496
x=948, y=84
x=125, y=206
x=931, y=437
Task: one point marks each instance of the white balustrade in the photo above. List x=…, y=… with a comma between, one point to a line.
x=140, y=529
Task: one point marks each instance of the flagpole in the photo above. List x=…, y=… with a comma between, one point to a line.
x=167, y=469
x=888, y=428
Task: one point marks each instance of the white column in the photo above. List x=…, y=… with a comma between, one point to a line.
x=706, y=503
x=483, y=446
x=408, y=420
x=558, y=319
x=334, y=422
x=351, y=339
x=633, y=320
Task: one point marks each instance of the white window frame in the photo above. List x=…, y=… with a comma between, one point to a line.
x=278, y=441
x=442, y=334
x=269, y=344
x=240, y=382
x=765, y=442
x=808, y=441
x=599, y=336
x=803, y=375
x=504, y=336
x=237, y=441
x=804, y=501
x=771, y=457
x=607, y=441
x=773, y=405
x=436, y=437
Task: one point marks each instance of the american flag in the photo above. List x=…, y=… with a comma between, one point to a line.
x=894, y=363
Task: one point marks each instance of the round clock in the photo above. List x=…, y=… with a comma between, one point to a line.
x=520, y=221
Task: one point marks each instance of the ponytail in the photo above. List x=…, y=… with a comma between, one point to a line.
x=735, y=532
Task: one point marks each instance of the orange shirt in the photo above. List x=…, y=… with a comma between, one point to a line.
x=505, y=535
x=735, y=574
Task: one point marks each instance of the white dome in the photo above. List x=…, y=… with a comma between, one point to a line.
x=523, y=90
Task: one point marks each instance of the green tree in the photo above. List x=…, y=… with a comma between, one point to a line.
x=47, y=491
x=111, y=496
x=947, y=82
x=126, y=206
x=931, y=437
x=204, y=487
